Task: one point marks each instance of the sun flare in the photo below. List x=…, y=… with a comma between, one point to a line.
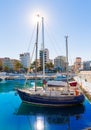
x=39, y=124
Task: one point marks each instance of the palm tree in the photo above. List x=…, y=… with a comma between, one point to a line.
x=1, y=66
x=17, y=66
x=49, y=65
x=6, y=68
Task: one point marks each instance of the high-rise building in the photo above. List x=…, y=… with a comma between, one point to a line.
x=25, y=59
x=46, y=56
x=7, y=62
x=77, y=63
x=87, y=65
x=60, y=62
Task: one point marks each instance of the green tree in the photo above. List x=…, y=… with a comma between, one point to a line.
x=49, y=65
x=1, y=66
x=17, y=66
x=6, y=68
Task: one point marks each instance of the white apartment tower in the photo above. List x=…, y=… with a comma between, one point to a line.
x=25, y=59
x=46, y=56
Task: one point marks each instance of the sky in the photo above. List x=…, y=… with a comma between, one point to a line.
x=61, y=18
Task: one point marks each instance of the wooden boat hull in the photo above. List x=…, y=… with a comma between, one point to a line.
x=51, y=101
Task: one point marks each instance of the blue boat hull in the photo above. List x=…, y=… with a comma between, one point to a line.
x=51, y=101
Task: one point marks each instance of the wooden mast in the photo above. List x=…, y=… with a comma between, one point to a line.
x=43, y=47
x=66, y=38
x=36, y=55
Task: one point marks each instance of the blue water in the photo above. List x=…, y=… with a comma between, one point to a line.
x=15, y=115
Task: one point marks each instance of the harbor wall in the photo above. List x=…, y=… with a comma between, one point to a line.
x=85, y=75
x=84, y=80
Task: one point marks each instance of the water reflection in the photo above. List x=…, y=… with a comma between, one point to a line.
x=43, y=118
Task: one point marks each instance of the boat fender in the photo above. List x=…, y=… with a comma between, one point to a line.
x=44, y=81
x=76, y=92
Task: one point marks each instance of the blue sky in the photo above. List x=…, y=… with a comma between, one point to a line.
x=62, y=17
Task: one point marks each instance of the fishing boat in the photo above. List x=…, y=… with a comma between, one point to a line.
x=52, y=96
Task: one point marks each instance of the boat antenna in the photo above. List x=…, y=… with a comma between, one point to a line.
x=43, y=47
x=36, y=55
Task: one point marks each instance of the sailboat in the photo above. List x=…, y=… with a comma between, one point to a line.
x=3, y=77
x=51, y=96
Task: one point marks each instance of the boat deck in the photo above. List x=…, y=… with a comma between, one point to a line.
x=53, y=92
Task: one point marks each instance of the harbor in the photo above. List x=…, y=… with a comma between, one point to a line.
x=45, y=65
x=22, y=116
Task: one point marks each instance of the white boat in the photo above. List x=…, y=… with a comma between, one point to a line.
x=56, y=83
x=3, y=77
x=50, y=95
x=59, y=80
x=62, y=77
x=2, y=80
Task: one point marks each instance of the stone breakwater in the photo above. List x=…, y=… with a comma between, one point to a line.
x=85, y=75
x=84, y=80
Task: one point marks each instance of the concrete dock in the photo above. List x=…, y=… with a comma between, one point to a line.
x=84, y=80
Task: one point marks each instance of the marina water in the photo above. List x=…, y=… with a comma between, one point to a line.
x=15, y=115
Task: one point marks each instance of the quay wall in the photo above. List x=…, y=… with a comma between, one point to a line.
x=85, y=75
x=85, y=84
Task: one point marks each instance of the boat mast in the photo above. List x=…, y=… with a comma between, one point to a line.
x=66, y=37
x=36, y=55
x=43, y=47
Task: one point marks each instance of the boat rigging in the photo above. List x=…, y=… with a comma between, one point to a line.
x=53, y=96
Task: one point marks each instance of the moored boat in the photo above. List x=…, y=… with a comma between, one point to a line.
x=49, y=98
x=54, y=95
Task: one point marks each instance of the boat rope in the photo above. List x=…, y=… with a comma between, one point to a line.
x=31, y=58
x=32, y=54
x=31, y=39
x=54, y=43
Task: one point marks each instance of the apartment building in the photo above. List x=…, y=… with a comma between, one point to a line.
x=25, y=59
